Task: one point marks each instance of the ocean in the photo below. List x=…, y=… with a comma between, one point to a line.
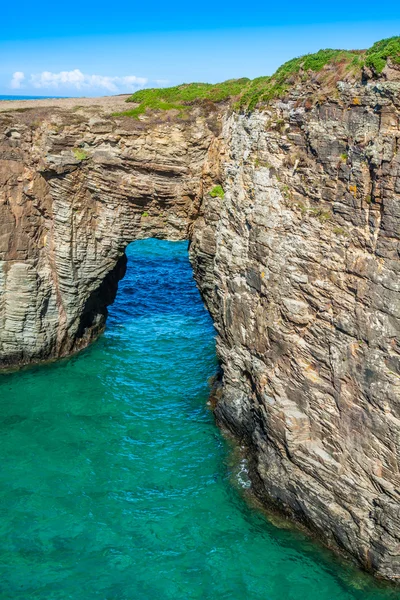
x=115, y=482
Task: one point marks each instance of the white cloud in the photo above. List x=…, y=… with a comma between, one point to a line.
x=80, y=81
x=17, y=79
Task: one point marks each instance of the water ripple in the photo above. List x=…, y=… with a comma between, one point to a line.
x=115, y=483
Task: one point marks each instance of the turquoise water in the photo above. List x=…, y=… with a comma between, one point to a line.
x=115, y=483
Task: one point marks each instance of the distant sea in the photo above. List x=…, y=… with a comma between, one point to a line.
x=28, y=97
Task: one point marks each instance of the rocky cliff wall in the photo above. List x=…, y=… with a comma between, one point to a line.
x=298, y=264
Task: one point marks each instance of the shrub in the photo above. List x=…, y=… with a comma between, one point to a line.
x=322, y=215
x=217, y=192
x=339, y=231
x=378, y=54
x=80, y=154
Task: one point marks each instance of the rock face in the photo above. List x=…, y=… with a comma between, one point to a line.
x=74, y=191
x=298, y=265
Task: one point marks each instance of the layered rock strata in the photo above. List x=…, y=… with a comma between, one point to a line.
x=298, y=265
x=75, y=189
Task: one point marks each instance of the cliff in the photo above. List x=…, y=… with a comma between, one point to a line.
x=290, y=195
x=76, y=187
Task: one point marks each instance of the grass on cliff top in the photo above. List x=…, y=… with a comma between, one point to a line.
x=182, y=96
x=262, y=91
x=378, y=54
x=247, y=94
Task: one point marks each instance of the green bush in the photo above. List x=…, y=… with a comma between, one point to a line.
x=217, y=192
x=339, y=231
x=377, y=55
x=80, y=154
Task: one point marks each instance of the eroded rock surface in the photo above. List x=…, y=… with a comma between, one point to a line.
x=75, y=189
x=298, y=265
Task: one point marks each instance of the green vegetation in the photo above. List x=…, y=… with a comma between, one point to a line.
x=189, y=93
x=322, y=215
x=339, y=231
x=253, y=93
x=145, y=214
x=183, y=96
x=265, y=89
x=377, y=55
x=262, y=163
x=217, y=192
x=326, y=66
x=80, y=154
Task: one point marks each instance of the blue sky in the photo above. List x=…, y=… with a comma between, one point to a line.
x=93, y=48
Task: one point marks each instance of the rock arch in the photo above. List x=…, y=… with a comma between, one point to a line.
x=75, y=191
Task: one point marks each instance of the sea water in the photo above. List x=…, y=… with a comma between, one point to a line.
x=29, y=97
x=115, y=482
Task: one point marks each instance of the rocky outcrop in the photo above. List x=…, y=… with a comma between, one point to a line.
x=298, y=264
x=75, y=189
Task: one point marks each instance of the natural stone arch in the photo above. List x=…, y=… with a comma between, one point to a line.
x=76, y=192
